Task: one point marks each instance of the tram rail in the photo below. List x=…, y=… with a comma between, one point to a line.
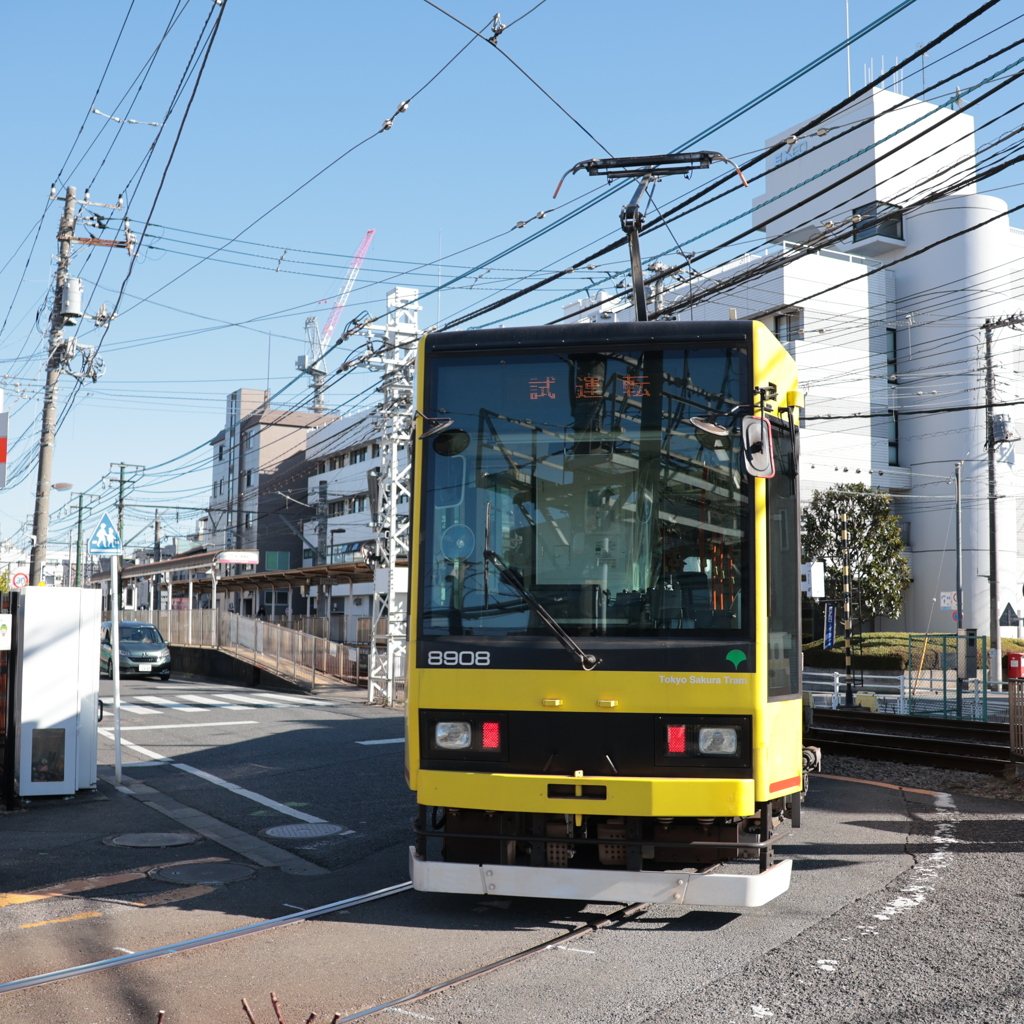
x=913, y=739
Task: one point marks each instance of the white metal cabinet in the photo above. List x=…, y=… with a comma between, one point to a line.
x=57, y=689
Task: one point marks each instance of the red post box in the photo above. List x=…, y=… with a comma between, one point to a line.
x=1014, y=666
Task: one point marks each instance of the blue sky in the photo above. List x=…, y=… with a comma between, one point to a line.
x=285, y=91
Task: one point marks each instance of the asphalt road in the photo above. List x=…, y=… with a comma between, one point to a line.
x=904, y=906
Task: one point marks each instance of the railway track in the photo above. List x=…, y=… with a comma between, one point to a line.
x=914, y=739
x=614, y=918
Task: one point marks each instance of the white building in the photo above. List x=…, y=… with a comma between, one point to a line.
x=887, y=326
x=342, y=463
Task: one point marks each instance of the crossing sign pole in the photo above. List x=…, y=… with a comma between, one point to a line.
x=107, y=541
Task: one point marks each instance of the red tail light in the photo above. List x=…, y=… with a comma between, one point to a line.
x=491, y=732
x=677, y=739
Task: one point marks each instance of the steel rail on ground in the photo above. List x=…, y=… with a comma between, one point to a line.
x=205, y=940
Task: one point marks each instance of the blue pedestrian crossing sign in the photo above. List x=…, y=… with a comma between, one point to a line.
x=105, y=539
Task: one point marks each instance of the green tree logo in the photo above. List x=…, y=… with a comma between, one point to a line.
x=735, y=658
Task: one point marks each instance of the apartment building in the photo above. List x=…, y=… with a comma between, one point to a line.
x=258, y=495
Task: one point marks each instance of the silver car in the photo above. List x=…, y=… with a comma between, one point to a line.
x=143, y=651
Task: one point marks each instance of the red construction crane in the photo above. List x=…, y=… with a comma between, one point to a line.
x=346, y=288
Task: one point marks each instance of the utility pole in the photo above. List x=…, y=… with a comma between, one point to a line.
x=391, y=523
x=66, y=310
x=155, y=586
x=120, y=526
x=78, y=549
x=959, y=552
x=78, y=546
x=122, y=481
x=844, y=538
x=54, y=363
x=995, y=673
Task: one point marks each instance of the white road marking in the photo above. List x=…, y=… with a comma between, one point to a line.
x=373, y=743
x=257, y=701
x=827, y=965
x=303, y=700
x=760, y=1011
x=209, y=700
x=292, y=905
x=924, y=876
x=575, y=949
x=133, y=708
x=121, y=949
x=186, y=725
x=165, y=703
x=250, y=795
x=109, y=733
x=409, y=1013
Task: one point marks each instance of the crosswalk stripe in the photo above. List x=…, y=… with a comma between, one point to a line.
x=135, y=709
x=303, y=700
x=210, y=701
x=257, y=701
x=165, y=703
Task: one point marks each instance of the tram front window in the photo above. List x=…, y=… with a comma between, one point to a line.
x=583, y=473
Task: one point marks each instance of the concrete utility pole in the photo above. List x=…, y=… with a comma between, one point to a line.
x=155, y=586
x=54, y=363
x=78, y=548
x=844, y=537
x=122, y=480
x=995, y=673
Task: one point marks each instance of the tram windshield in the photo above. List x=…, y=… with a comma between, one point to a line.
x=585, y=475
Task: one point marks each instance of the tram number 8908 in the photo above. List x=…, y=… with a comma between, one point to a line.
x=463, y=659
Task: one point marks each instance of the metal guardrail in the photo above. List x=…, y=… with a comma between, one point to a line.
x=301, y=658
x=908, y=694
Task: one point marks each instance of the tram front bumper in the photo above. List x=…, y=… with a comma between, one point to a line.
x=601, y=886
x=639, y=797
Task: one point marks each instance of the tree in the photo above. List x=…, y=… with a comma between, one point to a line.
x=879, y=573
x=5, y=581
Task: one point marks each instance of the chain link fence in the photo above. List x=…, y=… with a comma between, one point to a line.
x=947, y=675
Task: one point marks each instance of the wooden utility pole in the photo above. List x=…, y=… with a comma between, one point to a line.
x=54, y=363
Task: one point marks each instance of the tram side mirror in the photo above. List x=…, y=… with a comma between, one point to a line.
x=451, y=442
x=758, y=456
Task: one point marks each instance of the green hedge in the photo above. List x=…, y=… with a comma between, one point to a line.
x=878, y=651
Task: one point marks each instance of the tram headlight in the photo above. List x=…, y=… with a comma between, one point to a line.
x=453, y=735
x=718, y=740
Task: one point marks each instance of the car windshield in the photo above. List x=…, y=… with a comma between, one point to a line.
x=609, y=483
x=139, y=635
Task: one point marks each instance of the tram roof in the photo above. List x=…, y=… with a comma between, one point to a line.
x=572, y=335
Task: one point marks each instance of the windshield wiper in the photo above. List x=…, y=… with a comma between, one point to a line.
x=509, y=576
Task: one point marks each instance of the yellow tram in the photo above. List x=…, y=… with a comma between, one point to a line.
x=603, y=685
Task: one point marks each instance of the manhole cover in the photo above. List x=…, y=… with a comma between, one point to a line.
x=144, y=840
x=208, y=874
x=303, y=831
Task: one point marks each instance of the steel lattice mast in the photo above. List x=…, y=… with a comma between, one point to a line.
x=396, y=359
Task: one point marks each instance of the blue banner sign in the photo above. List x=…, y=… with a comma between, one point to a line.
x=830, y=625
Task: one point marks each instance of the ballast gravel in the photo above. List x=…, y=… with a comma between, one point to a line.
x=943, y=780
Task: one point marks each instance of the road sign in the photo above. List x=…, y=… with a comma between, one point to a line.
x=105, y=539
x=19, y=580
x=238, y=558
x=1009, y=617
x=947, y=599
